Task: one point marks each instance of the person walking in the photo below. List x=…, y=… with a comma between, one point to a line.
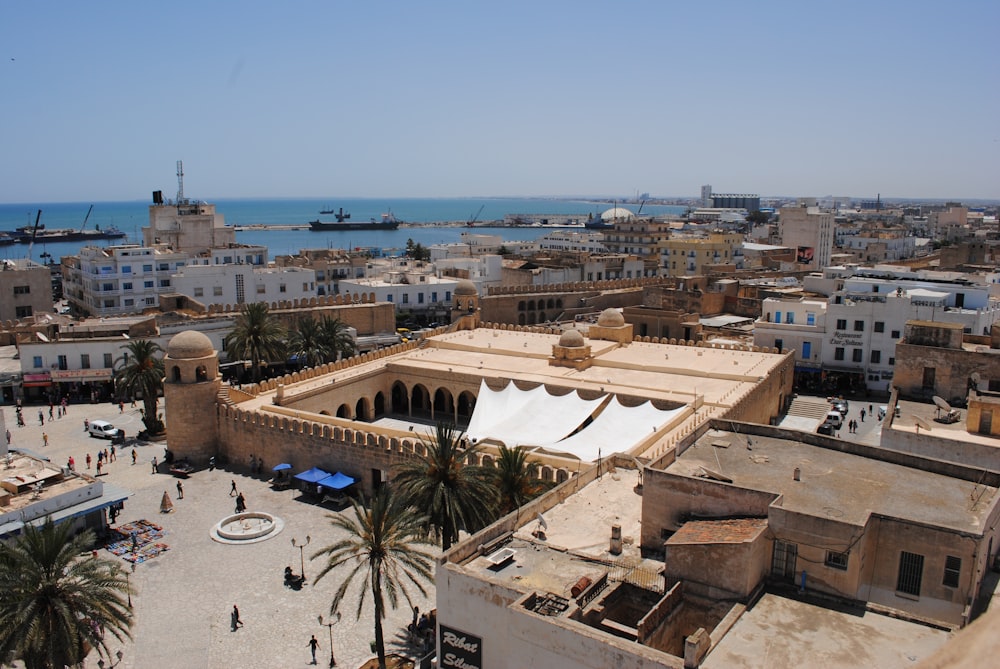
x=180, y=490
x=41, y=417
x=86, y=424
x=133, y=456
x=8, y=437
x=313, y=645
x=113, y=458
x=98, y=467
x=232, y=490
x=88, y=460
x=235, y=616
x=45, y=438
x=121, y=406
x=154, y=464
x=862, y=415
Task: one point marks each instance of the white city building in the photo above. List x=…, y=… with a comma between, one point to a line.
x=410, y=285
x=866, y=311
x=240, y=284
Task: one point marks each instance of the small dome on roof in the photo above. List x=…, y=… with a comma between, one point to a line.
x=611, y=318
x=189, y=345
x=571, y=338
x=466, y=287
x=617, y=213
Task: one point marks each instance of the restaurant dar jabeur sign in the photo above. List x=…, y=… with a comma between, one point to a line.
x=460, y=649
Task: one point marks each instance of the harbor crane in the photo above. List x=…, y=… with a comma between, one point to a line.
x=472, y=221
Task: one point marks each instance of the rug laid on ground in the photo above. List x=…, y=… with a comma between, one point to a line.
x=137, y=541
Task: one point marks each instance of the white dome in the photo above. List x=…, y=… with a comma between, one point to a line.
x=619, y=213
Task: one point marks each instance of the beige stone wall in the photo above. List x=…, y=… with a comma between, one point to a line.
x=952, y=369
x=360, y=312
x=724, y=570
x=936, y=601
x=36, y=280
x=668, y=500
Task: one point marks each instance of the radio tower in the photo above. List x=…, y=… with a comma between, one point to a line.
x=180, y=182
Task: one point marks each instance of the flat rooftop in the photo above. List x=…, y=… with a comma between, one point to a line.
x=782, y=633
x=909, y=411
x=576, y=539
x=841, y=486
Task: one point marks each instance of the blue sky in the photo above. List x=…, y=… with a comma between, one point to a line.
x=447, y=99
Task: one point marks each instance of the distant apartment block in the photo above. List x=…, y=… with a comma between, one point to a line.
x=809, y=232
x=25, y=289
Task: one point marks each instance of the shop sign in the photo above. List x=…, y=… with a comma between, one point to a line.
x=101, y=374
x=460, y=649
x=849, y=338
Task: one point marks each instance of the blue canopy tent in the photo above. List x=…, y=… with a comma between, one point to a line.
x=336, y=481
x=310, y=478
x=335, y=484
x=314, y=475
x=282, y=467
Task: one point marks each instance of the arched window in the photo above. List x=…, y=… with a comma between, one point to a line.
x=176, y=374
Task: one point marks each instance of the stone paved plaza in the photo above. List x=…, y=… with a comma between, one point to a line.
x=184, y=596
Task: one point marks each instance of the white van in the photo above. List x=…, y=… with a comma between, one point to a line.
x=102, y=429
x=834, y=418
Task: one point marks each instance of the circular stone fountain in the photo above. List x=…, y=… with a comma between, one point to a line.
x=247, y=528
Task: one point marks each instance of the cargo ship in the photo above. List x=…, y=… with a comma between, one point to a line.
x=388, y=222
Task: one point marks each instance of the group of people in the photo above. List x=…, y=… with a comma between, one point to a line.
x=256, y=464
x=104, y=457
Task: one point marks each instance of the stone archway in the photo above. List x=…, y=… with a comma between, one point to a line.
x=400, y=399
x=420, y=402
x=344, y=411
x=379, y=405
x=466, y=405
x=361, y=410
x=444, y=405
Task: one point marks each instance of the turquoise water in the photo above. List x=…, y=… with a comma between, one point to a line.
x=130, y=217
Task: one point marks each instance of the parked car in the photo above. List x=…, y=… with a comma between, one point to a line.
x=835, y=419
x=827, y=428
x=840, y=405
x=102, y=429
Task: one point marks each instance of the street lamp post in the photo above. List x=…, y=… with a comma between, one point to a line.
x=128, y=584
x=329, y=625
x=302, y=559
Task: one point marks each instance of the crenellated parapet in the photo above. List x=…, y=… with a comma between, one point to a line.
x=574, y=286
x=343, y=299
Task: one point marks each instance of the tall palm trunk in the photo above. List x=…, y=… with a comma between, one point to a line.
x=379, y=639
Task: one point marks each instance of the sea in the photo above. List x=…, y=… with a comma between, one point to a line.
x=425, y=220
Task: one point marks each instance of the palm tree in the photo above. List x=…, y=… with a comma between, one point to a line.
x=56, y=601
x=456, y=496
x=256, y=335
x=381, y=546
x=337, y=338
x=306, y=341
x=140, y=371
x=516, y=478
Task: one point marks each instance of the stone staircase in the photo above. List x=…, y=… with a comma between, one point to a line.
x=809, y=407
x=805, y=413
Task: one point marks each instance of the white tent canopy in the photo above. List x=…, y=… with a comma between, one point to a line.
x=534, y=418
x=520, y=418
x=617, y=429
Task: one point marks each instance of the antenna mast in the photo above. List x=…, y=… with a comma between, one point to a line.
x=180, y=182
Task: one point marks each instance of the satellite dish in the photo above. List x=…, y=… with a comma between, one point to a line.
x=41, y=336
x=921, y=423
x=542, y=523
x=941, y=404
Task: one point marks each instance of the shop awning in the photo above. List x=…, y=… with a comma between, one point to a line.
x=337, y=481
x=81, y=375
x=36, y=380
x=314, y=475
